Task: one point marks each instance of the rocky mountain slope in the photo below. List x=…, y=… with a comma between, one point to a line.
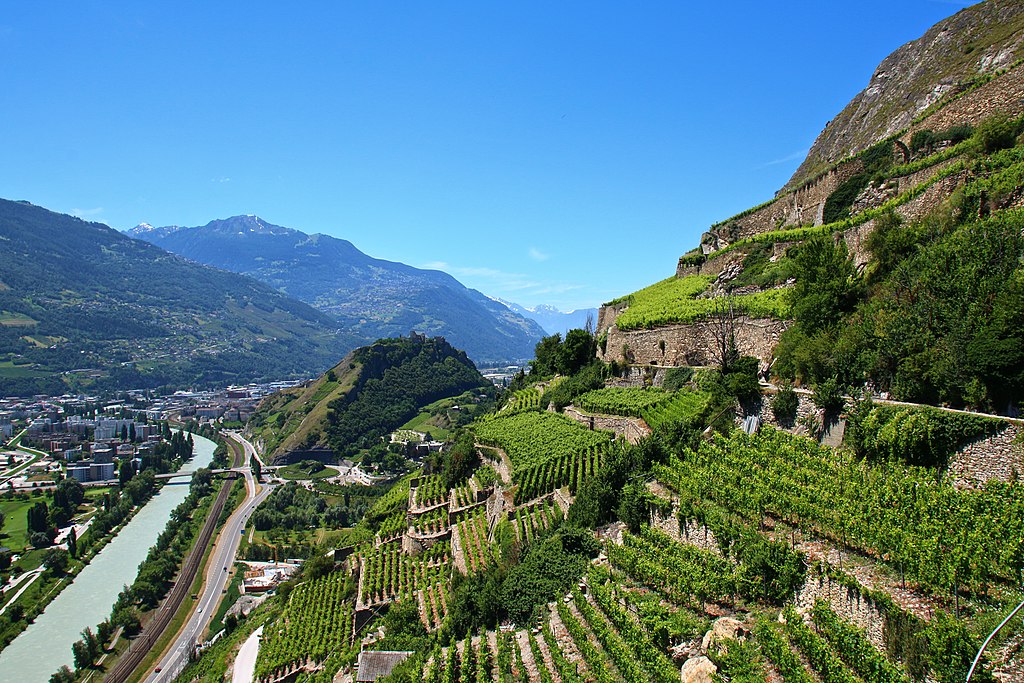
x=372, y=298
x=962, y=50
x=896, y=270
x=81, y=305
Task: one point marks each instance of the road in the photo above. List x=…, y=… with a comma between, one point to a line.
x=217, y=577
x=245, y=662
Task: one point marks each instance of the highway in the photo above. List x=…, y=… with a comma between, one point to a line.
x=217, y=572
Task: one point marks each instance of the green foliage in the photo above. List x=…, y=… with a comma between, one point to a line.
x=827, y=283
x=785, y=404
x=828, y=395
x=677, y=378
x=555, y=356
x=675, y=301
x=926, y=437
x=876, y=161
x=998, y=132
x=566, y=391
x=547, y=570
x=622, y=400
x=397, y=377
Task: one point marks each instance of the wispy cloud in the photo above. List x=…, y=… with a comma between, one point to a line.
x=795, y=156
x=83, y=213
x=222, y=179
x=538, y=255
x=502, y=283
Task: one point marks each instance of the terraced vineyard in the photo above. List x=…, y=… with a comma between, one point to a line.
x=632, y=401
x=533, y=438
x=476, y=549
x=675, y=300
x=389, y=574
x=925, y=528
x=531, y=520
x=568, y=470
x=316, y=622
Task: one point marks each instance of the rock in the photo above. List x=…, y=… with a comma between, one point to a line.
x=698, y=670
x=724, y=628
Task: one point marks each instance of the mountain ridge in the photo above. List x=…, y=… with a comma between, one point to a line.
x=375, y=298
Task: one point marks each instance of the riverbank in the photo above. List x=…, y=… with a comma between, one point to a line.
x=46, y=644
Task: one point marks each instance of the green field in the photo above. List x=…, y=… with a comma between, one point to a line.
x=15, y=532
x=296, y=472
x=9, y=369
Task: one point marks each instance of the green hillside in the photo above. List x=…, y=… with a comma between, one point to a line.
x=374, y=390
x=84, y=306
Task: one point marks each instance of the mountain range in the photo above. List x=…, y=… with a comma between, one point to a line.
x=553, y=320
x=84, y=306
x=371, y=298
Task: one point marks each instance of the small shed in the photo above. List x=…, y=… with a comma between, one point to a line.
x=374, y=665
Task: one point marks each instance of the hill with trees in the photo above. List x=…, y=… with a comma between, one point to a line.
x=371, y=392
x=372, y=298
x=83, y=306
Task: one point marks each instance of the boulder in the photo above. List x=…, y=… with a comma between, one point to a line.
x=698, y=670
x=724, y=628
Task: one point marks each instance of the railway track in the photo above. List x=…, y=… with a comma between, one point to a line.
x=144, y=642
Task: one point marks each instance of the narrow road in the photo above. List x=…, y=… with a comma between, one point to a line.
x=245, y=662
x=145, y=641
x=175, y=658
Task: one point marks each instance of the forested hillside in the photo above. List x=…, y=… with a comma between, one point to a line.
x=83, y=306
x=374, y=390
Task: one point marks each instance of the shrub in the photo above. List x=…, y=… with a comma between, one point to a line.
x=828, y=396
x=785, y=403
x=996, y=133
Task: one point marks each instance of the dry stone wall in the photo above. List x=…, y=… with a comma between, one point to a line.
x=632, y=429
x=1002, y=95
x=996, y=457
x=803, y=206
x=690, y=344
x=848, y=603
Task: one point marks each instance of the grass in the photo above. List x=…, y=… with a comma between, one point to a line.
x=9, y=369
x=295, y=472
x=15, y=530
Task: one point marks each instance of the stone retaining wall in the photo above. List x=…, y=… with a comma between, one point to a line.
x=996, y=457
x=690, y=344
x=632, y=429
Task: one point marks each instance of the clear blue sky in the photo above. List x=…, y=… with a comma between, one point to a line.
x=551, y=152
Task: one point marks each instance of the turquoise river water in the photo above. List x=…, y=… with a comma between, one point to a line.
x=46, y=644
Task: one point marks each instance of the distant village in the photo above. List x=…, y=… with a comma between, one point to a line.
x=89, y=437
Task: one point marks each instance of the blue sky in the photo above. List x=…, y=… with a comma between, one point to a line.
x=562, y=153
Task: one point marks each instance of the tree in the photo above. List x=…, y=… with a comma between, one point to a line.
x=124, y=432
x=56, y=561
x=80, y=651
x=72, y=543
x=125, y=472
x=63, y=675
x=38, y=517
x=826, y=285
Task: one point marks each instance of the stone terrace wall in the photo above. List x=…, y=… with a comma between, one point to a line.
x=996, y=457
x=632, y=429
x=690, y=344
x=849, y=604
x=803, y=206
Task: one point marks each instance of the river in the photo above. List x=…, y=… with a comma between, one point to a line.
x=46, y=644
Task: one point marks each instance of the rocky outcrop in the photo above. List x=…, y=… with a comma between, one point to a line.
x=976, y=41
x=698, y=670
